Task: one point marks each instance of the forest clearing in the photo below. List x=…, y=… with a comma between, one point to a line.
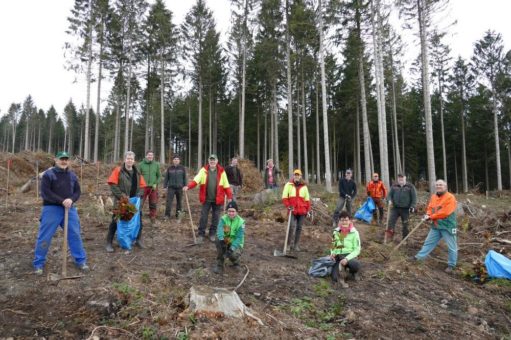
x=144, y=294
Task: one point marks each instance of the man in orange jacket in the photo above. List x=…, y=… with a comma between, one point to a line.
x=296, y=198
x=441, y=212
x=377, y=191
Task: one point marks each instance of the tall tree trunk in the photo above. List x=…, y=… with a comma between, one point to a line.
x=258, y=138
x=27, y=130
x=442, y=130
x=117, y=132
x=464, y=176
x=358, y=163
x=456, y=170
x=50, y=136
x=380, y=90
x=189, y=136
x=147, y=109
x=199, y=130
x=304, y=125
x=98, y=99
x=265, y=149
x=509, y=161
x=162, y=109
x=497, y=141
x=86, y=149
x=289, y=97
x=326, y=144
x=128, y=94
x=318, y=152
x=403, y=158
x=298, y=133
x=427, y=101
x=394, y=125
x=243, y=82
x=276, y=124
x=210, y=122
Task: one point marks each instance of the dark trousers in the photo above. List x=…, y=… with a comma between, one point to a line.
x=171, y=192
x=404, y=213
x=296, y=229
x=215, y=213
x=340, y=205
x=223, y=251
x=353, y=266
x=112, y=228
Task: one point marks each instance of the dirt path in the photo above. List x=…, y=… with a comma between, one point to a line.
x=143, y=294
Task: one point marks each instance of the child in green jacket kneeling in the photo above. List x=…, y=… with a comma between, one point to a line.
x=230, y=237
x=345, y=249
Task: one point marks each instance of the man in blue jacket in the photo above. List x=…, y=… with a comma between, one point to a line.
x=60, y=190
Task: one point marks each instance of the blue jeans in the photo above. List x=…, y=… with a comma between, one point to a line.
x=52, y=216
x=434, y=236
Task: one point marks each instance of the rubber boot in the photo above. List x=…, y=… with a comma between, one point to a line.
x=219, y=267
x=139, y=241
x=290, y=237
x=390, y=235
x=297, y=240
x=110, y=237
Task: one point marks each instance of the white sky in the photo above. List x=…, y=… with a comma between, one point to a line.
x=32, y=35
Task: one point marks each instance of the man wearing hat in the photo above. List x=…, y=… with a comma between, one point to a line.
x=296, y=198
x=377, y=191
x=175, y=180
x=213, y=188
x=59, y=190
x=230, y=238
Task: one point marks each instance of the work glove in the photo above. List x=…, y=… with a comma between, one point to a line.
x=348, y=197
x=309, y=214
x=426, y=217
x=154, y=187
x=290, y=208
x=412, y=210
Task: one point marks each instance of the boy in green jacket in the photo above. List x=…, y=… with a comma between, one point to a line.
x=150, y=169
x=345, y=249
x=230, y=236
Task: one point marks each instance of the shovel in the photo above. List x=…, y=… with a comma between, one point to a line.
x=191, y=220
x=407, y=236
x=55, y=277
x=283, y=253
x=387, y=226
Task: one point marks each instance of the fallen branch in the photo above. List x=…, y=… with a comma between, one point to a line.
x=14, y=311
x=107, y=327
x=500, y=240
x=244, y=278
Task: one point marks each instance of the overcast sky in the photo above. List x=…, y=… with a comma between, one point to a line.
x=32, y=35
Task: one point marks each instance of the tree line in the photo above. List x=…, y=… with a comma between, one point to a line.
x=313, y=84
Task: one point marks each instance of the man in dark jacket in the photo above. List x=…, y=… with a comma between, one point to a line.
x=347, y=192
x=235, y=177
x=403, y=199
x=125, y=181
x=175, y=180
x=59, y=190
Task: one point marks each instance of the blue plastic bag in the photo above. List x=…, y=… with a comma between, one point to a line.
x=497, y=265
x=365, y=212
x=321, y=267
x=127, y=231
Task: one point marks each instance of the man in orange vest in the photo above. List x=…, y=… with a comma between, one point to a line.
x=377, y=191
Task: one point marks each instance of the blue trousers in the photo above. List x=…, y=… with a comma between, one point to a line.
x=434, y=236
x=52, y=216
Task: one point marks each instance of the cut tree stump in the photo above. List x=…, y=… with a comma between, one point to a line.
x=215, y=303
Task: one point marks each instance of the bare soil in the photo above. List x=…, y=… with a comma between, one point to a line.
x=143, y=294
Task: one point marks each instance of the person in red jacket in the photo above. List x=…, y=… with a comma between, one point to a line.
x=296, y=198
x=213, y=187
x=377, y=191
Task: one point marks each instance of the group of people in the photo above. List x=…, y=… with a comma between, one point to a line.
x=218, y=188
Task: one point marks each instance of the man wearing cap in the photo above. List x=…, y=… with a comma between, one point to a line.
x=347, y=192
x=175, y=180
x=402, y=198
x=230, y=238
x=295, y=197
x=234, y=176
x=213, y=188
x=59, y=190
x=150, y=170
x=377, y=191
